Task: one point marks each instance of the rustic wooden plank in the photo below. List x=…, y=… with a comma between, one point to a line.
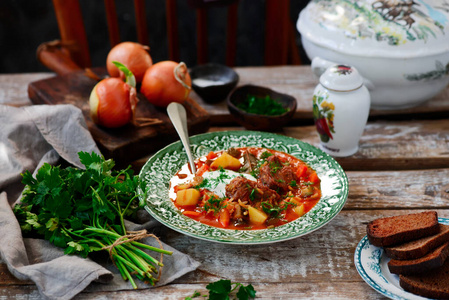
x=6, y=278
x=299, y=81
x=29, y=292
x=303, y=266
x=387, y=145
x=324, y=255
x=393, y=145
x=13, y=87
x=398, y=189
x=297, y=290
x=300, y=290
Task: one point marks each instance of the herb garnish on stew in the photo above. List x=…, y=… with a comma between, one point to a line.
x=247, y=188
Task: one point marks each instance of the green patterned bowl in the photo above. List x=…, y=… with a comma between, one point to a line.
x=157, y=172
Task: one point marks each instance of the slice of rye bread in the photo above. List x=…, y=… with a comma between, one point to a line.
x=433, y=284
x=432, y=260
x=419, y=248
x=397, y=230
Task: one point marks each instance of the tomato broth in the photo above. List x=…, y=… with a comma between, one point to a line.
x=246, y=188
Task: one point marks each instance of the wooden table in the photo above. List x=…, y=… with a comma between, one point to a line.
x=402, y=166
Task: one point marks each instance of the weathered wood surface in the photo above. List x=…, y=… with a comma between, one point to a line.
x=288, y=291
x=386, y=145
x=14, y=87
x=299, y=82
x=402, y=166
x=316, y=266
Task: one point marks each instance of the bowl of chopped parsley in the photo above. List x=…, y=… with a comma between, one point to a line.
x=260, y=108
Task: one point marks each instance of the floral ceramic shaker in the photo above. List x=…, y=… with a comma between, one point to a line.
x=341, y=105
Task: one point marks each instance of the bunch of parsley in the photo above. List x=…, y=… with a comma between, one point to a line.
x=83, y=211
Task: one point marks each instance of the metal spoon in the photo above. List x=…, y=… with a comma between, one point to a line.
x=178, y=116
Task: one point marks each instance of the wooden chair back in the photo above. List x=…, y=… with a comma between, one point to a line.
x=71, y=52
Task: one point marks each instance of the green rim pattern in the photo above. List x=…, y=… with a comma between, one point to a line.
x=156, y=173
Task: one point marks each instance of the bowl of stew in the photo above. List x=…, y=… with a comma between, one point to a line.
x=250, y=187
x=260, y=108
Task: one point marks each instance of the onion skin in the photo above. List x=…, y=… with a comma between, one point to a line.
x=160, y=86
x=133, y=55
x=112, y=103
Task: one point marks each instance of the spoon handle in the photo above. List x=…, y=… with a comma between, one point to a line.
x=178, y=116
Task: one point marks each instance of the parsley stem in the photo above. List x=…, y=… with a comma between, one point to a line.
x=139, y=261
x=129, y=264
x=236, y=285
x=128, y=275
x=122, y=272
x=148, y=257
x=155, y=249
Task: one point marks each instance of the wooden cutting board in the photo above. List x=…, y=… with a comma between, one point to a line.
x=125, y=144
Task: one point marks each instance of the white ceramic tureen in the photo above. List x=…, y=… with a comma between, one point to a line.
x=401, y=47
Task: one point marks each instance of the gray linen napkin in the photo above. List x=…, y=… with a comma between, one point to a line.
x=29, y=137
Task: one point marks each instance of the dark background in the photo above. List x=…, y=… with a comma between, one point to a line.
x=24, y=24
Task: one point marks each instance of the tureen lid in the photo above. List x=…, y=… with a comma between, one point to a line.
x=379, y=28
x=341, y=78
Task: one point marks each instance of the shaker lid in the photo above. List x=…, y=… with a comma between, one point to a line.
x=378, y=28
x=341, y=78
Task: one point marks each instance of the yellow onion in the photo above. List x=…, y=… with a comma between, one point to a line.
x=166, y=82
x=112, y=101
x=134, y=56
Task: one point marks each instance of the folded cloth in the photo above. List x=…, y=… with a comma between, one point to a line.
x=34, y=135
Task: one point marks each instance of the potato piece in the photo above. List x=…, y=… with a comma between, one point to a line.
x=187, y=197
x=226, y=161
x=256, y=216
x=299, y=210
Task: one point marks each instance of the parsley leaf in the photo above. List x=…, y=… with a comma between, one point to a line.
x=220, y=287
x=246, y=292
x=214, y=204
x=223, y=290
x=83, y=211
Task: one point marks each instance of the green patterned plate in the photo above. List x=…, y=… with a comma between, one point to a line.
x=157, y=172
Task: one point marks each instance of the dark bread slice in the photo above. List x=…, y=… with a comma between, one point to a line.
x=432, y=260
x=433, y=284
x=397, y=230
x=419, y=248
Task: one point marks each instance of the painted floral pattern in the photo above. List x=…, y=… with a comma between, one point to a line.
x=323, y=115
x=393, y=21
x=439, y=72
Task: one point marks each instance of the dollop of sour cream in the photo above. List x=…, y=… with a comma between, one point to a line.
x=214, y=181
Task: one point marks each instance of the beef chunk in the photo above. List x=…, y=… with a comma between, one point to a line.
x=250, y=191
x=240, y=188
x=274, y=175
